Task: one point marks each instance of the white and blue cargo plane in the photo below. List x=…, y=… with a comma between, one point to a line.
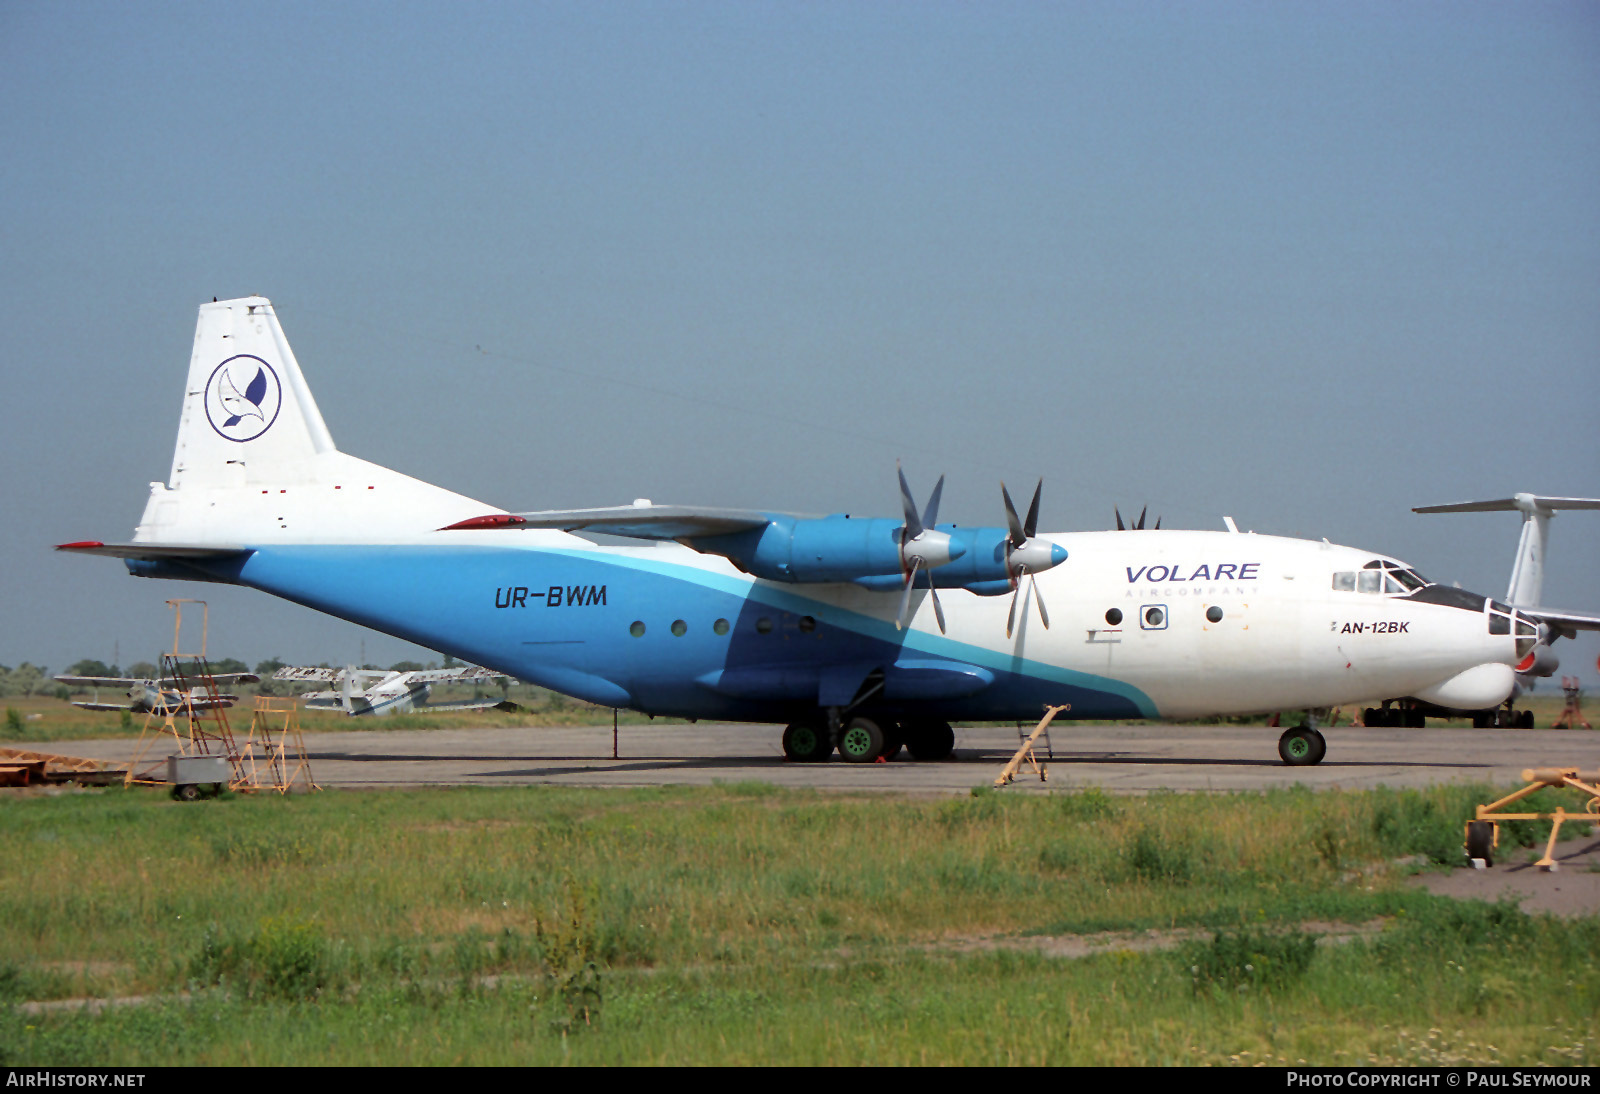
x=864, y=635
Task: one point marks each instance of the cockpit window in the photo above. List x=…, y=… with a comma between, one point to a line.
x=1390, y=578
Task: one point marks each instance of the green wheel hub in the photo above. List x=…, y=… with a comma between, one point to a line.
x=856, y=742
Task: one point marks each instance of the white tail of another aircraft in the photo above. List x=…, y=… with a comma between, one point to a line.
x=1526, y=589
x=255, y=462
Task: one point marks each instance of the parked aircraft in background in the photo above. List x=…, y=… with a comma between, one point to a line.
x=861, y=634
x=392, y=692
x=1525, y=592
x=158, y=696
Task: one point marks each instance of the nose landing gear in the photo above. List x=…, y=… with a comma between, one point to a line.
x=1302, y=746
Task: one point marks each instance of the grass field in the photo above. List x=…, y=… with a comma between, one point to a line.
x=744, y=924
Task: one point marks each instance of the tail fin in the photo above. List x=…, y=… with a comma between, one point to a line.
x=255, y=463
x=246, y=402
x=1527, y=572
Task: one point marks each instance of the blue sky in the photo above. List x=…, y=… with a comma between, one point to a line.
x=1305, y=264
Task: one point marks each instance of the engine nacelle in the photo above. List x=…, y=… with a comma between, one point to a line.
x=828, y=549
x=1541, y=661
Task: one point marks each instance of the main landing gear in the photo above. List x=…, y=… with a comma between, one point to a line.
x=867, y=740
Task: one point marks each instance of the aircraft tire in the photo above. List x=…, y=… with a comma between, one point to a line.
x=893, y=740
x=931, y=740
x=1302, y=746
x=1525, y=720
x=187, y=792
x=805, y=743
x=1480, y=841
x=861, y=742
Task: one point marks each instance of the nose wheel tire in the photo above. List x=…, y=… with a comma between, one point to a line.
x=805, y=743
x=1302, y=746
x=862, y=741
x=930, y=740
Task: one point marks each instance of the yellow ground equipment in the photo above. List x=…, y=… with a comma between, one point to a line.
x=1483, y=832
x=45, y=767
x=1026, y=754
x=274, y=755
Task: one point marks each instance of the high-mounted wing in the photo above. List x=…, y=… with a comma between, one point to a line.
x=875, y=553
x=638, y=521
x=465, y=675
x=1568, y=623
x=101, y=681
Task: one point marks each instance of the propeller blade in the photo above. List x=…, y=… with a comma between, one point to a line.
x=1120, y=526
x=930, y=515
x=1011, y=616
x=1031, y=525
x=1140, y=525
x=903, y=618
x=1018, y=536
x=1158, y=524
x=1038, y=598
x=938, y=609
x=913, y=524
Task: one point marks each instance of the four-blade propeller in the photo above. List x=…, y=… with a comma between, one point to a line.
x=921, y=547
x=1027, y=555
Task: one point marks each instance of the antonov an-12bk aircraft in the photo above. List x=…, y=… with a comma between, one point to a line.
x=864, y=635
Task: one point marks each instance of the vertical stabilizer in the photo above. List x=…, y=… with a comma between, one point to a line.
x=255, y=464
x=246, y=402
x=1527, y=573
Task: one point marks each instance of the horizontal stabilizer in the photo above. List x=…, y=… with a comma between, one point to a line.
x=1511, y=505
x=151, y=551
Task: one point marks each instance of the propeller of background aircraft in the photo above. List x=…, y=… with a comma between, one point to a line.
x=1138, y=525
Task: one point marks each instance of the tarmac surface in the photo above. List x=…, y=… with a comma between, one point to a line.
x=1118, y=759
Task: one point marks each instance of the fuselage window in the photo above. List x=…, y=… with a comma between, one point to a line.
x=1345, y=582
x=637, y=630
x=807, y=624
x=720, y=626
x=1214, y=614
x=1154, y=619
x=679, y=628
x=1369, y=581
x=1114, y=617
x=763, y=625
x=1390, y=585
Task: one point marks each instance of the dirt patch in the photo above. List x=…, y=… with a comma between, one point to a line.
x=1147, y=941
x=1573, y=889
